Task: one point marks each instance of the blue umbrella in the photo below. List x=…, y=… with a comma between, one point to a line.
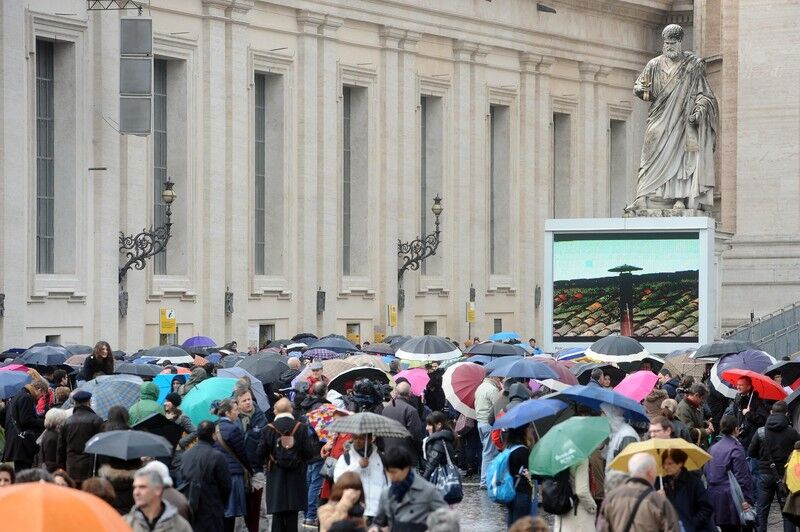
x=11, y=382
x=45, y=355
x=501, y=362
x=504, y=336
x=214, y=358
x=199, y=341
x=570, y=353
x=481, y=359
x=164, y=383
x=146, y=360
x=526, y=368
x=594, y=396
x=495, y=349
x=333, y=343
x=528, y=412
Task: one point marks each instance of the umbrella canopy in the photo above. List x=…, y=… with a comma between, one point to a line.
x=789, y=370
x=593, y=396
x=76, y=361
x=43, y=507
x=504, y=336
x=257, y=387
x=529, y=411
x=128, y=444
x=14, y=367
x=304, y=337
x=526, y=368
x=567, y=444
x=396, y=339
x=459, y=383
x=142, y=370
x=161, y=426
x=335, y=344
x=199, y=361
x=637, y=385
x=347, y=377
x=561, y=367
x=583, y=372
x=198, y=341
x=12, y=382
x=368, y=360
x=654, y=362
x=766, y=387
x=379, y=349
x=368, y=423
x=330, y=368
x=428, y=348
x=722, y=347
x=231, y=360
x=500, y=362
x=44, y=355
x=681, y=362
x=655, y=447
x=615, y=348
x=570, y=353
x=79, y=349
x=279, y=343
x=297, y=346
x=321, y=418
x=556, y=386
x=171, y=352
x=197, y=403
x=320, y=353
x=265, y=368
x=793, y=472
x=179, y=370
x=164, y=383
x=495, y=349
x=753, y=360
x=113, y=390
x=418, y=379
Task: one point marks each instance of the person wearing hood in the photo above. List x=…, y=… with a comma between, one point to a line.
x=668, y=383
x=197, y=376
x=147, y=405
x=438, y=446
x=621, y=433
x=652, y=403
x=771, y=445
x=517, y=393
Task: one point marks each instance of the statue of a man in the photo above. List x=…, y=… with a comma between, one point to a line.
x=677, y=167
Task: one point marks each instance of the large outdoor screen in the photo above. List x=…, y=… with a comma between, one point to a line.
x=643, y=285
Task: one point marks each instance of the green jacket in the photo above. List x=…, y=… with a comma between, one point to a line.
x=695, y=421
x=146, y=406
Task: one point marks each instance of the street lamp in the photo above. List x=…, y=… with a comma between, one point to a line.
x=413, y=253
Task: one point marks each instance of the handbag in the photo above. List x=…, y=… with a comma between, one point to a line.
x=328, y=466
x=248, y=486
x=447, y=480
x=464, y=424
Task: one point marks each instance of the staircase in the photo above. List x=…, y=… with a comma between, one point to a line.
x=777, y=333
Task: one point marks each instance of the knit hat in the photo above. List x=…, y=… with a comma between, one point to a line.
x=173, y=398
x=161, y=469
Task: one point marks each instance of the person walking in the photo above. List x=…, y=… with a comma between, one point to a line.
x=150, y=512
x=147, y=405
x=23, y=426
x=77, y=430
x=687, y=493
x=727, y=454
x=690, y=412
x=772, y=445
x=486, y=396
x=361, y=457
x=206, y=481
x=229, y=440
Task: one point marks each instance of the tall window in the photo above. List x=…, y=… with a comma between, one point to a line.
x=346, y=175
x=260, y=164
x=355, y=182
x=618, y=167
x=431, y=170
x=45, y=168
x=159, y=153
x=562, y=147
x=500, y=188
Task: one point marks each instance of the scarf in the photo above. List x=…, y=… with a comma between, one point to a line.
x=398, y=491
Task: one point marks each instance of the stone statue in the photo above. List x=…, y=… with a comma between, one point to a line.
x=677, y=166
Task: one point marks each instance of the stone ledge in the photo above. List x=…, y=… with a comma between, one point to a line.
x=664, y=213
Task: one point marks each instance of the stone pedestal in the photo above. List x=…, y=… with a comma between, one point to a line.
x=664, y=213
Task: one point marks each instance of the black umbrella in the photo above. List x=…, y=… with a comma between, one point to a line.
x=264, y=368
x=128, y=444
x=396, y=339
x=119, y=355
x=161, y=426
x=142, y=370
x=199, y=350
x=656, y=363
x=355, y=374
x=166, y=351
x=583, y=372
x=78, y=349
x=428, y=348
x=378, y=349
x=301, y=337
x=45, y=355
x=617, y=349
x=789, y=371
x=279, y=343
x=722, y=347
x=495, y=349
x=231, y=360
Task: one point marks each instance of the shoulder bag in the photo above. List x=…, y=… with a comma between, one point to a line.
x=447, y=480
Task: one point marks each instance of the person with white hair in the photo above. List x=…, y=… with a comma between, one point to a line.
x=635, y=506
x=48, y=441
x=150, y=513
x=170, y=494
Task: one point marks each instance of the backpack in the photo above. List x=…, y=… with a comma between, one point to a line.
x=500, y=485
x=557, y=495
x=284, y=453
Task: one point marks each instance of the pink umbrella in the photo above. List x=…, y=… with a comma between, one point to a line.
x=14, y=367
x=637, y=385
x=417, y=377
x=459, y=383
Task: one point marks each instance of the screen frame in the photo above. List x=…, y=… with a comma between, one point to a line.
x=703, y=226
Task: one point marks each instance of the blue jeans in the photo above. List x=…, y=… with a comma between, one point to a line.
x=521, y=506
x=489, y=450
x=314, y=483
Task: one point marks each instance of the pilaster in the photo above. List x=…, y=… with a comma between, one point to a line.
x=583, y=188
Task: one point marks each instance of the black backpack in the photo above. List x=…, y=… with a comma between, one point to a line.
x=557, y=495
x=284, y=453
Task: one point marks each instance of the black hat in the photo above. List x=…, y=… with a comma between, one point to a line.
x=81, y=396
x=174, y=398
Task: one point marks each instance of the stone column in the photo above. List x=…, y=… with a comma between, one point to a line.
x=480, y=188
x=584, y=187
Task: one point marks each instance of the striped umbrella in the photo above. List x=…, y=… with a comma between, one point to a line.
x=459, y=382
x=428, y=348
x=321, y=354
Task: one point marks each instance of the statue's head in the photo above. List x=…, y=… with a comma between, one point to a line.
x=673, y=37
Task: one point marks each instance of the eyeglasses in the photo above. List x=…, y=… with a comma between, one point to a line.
x=656, y=431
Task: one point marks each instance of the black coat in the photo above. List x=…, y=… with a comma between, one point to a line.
x=689, y=496
x=207, y=465
x=671, y=387
x=231, y=432
x=435, y=446
x=48, y=450
x=72, y=438
x=286, y=489
x=434, y=393
x=21, y=418
x=93, y=365
x=773, y=443
x=408, y=416
x=122, y=482
x=756, y=415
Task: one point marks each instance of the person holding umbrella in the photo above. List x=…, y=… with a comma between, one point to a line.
x=361, y=457
x=687, y=493
x=750, y=410
x=690, y=412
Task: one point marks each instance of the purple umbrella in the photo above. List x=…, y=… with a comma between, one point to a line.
x=752, y=359
x=199, y=341
x=321, y=354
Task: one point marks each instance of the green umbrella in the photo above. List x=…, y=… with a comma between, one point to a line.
x=197, y=403
x=567, y=444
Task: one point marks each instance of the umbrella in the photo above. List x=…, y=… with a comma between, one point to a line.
x=214, y=358
x=146, y=360
x=793, y=472
x=525, y=347
x=199, y=361
x=44, y=355
x=43, y=507
x=304, y=337
x=257, y=387
x=476, y=359
x=113, y=390
x=232, y=360
x=500, y=362
x=529, y=411
x=319, y=353
x=179, y=370
x=76, y=361
x=379, y=349
x=428, y=348
x=161, y=426
x=459, y=383
x=197, y=403
x=279, y=343
x=504, y=336
x=142, y=370
x=198, y=341
x=655, y=447
x=680, y=362
x=789, y=370
x=614, y=348
x=128, y=444
x=335, y=344
x=526, y=369
x=753, y=360
x=418, y=379
x=265, y=368
x=567, y=444
x=495, y=349
x=340, y=382
x=583, y=372
x=79, y=349
x=766, y=387
x=570, y=353
x=12, y=382
x=593, y=396
x=299, y=346
x=396, y=339
x=321, y=417
x=556, y=386
x=164, y=383
x=637, y=385
x=560, y=367
x=14, y=367
x=166, y=351
x=656, y=363
x=369, y=423
x=368, y=360
x=722, y=347
x=330, y=368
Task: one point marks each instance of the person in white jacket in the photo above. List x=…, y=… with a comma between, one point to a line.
x=368, y=466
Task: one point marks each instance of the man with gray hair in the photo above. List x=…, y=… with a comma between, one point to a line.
x=150, y=513
x=634, y=506
x=401, y=409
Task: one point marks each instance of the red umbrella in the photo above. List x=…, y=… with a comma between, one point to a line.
x=459, y=383
x=766, y=387
x=561, y=369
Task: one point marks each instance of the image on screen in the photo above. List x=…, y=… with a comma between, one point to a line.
x=643, y=285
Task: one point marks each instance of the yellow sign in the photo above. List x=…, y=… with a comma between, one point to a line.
x=354, y=338
x=167, y=323
x=392, y=315
x=471, y=312
x=378, y=337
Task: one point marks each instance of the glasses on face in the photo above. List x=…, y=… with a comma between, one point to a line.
x=655, y=432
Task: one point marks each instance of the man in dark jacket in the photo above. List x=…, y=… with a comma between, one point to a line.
x=751, y=412
x=76, y=431
x=772, y=444
x=208, y=468
x=668, y=383
x=401, y=410
x=23, y=426
x=690, y=412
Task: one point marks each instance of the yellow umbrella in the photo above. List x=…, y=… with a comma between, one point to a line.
x=655, y=446
x=793, y=472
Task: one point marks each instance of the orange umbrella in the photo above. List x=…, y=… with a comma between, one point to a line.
x=43, y=506
x=200, y=361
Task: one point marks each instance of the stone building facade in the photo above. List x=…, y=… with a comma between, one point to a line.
x=305, y=137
